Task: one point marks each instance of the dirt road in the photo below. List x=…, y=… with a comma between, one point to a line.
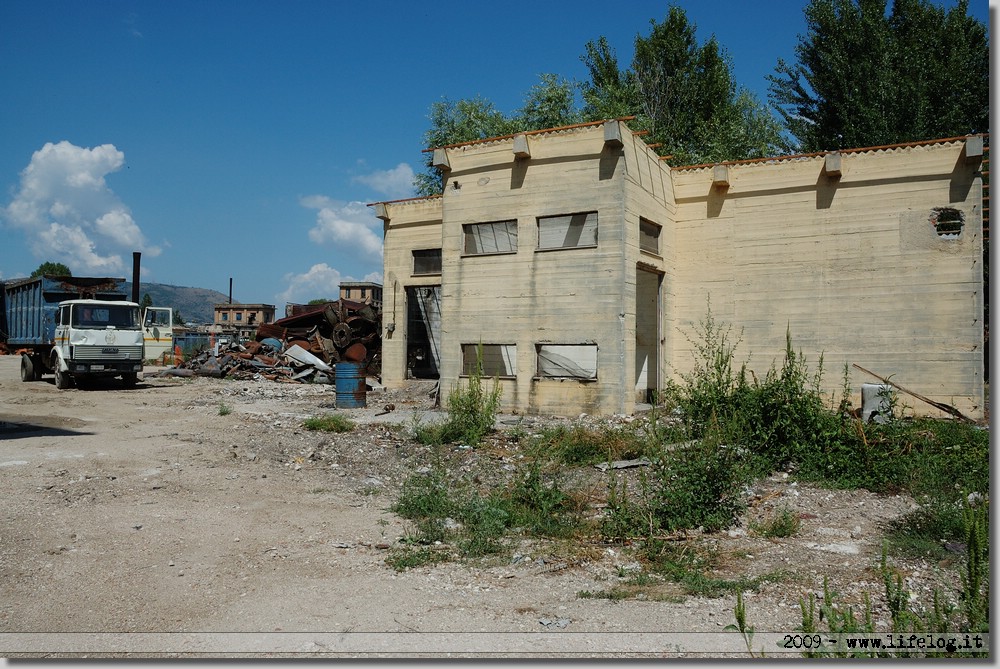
x=184, y=509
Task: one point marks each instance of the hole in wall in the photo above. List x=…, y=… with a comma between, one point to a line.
x=948, y=222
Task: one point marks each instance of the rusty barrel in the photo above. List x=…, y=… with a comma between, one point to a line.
x=350, y=385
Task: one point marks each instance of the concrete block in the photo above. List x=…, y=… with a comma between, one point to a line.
x=876, y=403
x=974, y=149
x=441, y=160
x=831, y=164
x=613, y=133
x=720, y=176
x=521, y=149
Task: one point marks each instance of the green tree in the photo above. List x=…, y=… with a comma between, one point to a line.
x=683, y=93
x=454, y=122
x=865, y=76
x=146, y=301
x=320, y=300
x=51, y=269
x=551, y=103
x=548, y=104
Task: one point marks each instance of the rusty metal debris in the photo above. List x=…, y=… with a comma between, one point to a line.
x=302, y=348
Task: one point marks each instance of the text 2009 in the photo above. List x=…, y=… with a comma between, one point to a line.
x=802, y=641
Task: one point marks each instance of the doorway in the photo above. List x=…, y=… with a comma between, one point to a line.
x=647, y=333
x=423, y=332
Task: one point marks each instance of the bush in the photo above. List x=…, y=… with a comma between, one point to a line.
x=700, y=484
x=472, y=412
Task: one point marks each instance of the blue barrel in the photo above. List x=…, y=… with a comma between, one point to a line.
x=350, y=385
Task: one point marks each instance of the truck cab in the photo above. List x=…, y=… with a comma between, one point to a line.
x=97, y=338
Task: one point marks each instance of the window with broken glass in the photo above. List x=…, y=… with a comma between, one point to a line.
x=568, y=231
x=488, y=238
x=427, y=261
x=649, y=236
x=567, y=361
x=499, y=360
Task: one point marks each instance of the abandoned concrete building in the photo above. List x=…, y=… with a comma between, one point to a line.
x=583, y=264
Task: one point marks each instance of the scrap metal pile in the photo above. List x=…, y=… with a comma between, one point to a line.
x=301, y=348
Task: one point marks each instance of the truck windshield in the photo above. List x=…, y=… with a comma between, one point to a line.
x=101, y=316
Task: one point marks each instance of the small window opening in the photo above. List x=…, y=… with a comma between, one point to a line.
x=427, y=261
x=567, y=232
x=649, y=236
x=487, y=238
x=567, y=361
x=497, y=359
x=948, y=222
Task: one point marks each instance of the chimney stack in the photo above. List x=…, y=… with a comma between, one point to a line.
x=135, y=276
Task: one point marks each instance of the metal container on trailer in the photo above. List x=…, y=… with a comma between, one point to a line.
x=30, y=305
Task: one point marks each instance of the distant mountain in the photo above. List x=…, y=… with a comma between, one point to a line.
x=195, y=304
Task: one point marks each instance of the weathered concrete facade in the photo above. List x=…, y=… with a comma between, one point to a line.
x=581, y=262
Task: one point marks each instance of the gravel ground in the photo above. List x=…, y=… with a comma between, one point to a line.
x=201, y=518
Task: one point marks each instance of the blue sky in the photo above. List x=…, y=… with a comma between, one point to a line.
x=243, y=139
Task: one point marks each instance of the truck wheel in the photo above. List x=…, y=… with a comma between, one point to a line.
x=63, y=380
x=39, y=364
x=129, y=380
x=27, y=368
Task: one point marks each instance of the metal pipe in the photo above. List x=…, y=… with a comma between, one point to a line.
x=135, y=275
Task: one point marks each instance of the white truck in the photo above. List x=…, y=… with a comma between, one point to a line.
x=77, y=328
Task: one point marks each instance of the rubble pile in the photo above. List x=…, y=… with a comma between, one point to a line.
x=301, y=348
x=341, y=331
x=270, y=360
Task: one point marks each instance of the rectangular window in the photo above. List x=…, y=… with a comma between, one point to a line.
x=486, y=238
x=498, y=359
x=649, y=236
x=567, y=232
x=239, y=317
x=567, y=361
x=225, y=317
x=427, y=261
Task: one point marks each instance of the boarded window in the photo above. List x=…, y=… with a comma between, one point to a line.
x=567, y=232
x=497, y=359
x=427, y=261
x=572, y=361
x=649, y=236
x=484, y=238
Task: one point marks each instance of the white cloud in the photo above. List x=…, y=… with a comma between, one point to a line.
x=69, y=214
x=348, y=225
x=396, y=183
x=317, y=283
x=320, y=282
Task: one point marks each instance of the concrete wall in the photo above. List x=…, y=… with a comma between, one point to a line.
x=851, y=266
x=565, y=296
x=408, y=225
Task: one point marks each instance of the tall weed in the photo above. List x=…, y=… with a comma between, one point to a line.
x=472, y=411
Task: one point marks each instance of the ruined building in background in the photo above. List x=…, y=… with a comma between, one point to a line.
x=582, y=264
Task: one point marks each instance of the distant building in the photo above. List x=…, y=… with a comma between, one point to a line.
x=240, y=318
x=362, y=291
